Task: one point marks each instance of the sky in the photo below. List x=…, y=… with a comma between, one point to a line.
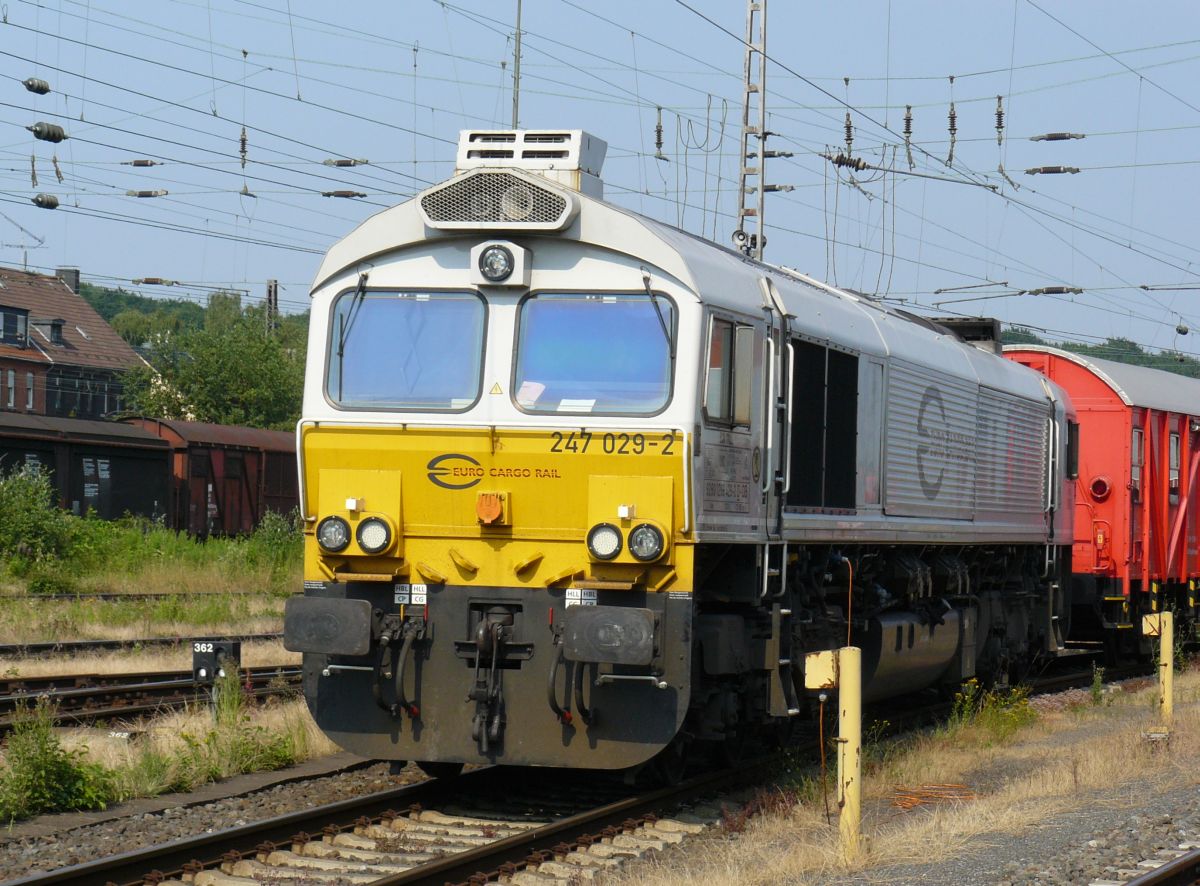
x=176, y=81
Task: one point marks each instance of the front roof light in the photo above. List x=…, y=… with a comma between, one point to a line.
x=496, y=263
x=604, y=541
x=333, y=534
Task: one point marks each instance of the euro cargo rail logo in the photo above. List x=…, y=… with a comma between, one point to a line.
x=941, y=445
x=453, y=470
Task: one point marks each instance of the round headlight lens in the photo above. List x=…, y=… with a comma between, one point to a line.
x=373, y=535
x=604, y=541
x=646, y=542
x=516, y=204
x=496, y=263
x=333, y=534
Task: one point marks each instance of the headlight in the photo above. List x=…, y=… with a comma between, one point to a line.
x=333, y=534
x=604, y=541
x=496, y=263
x=373, y=535
x=646, y=542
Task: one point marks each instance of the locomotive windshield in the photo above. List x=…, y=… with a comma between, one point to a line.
x=595, y=353
x=406, y=350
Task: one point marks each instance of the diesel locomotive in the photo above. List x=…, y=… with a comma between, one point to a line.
x=581, y=489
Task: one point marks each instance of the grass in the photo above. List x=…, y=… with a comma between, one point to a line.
x=1023, y=761
x=44, y=770
x=28, y=621
x=47, y=550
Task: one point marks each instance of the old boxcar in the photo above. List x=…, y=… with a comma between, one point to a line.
x=224, y=479
x=107, y=468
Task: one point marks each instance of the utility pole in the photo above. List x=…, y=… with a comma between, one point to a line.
x=272, y=304
x=750, y=236
x=517, y=71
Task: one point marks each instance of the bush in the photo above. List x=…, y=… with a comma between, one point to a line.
x=40, y=775
x=31, y=527
x=995, y=715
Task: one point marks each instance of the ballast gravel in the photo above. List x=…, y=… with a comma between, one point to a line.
x=55, y=841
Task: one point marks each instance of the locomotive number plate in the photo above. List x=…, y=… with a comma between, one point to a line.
x=580, y=442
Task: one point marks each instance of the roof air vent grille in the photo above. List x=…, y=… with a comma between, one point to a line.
x=486, y=199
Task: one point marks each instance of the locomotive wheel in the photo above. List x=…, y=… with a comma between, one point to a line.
x=670, y=765
x=732, y=750
x=441, y=770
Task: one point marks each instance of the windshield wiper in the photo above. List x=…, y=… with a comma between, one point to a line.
x=658, y=310
x=347, y=324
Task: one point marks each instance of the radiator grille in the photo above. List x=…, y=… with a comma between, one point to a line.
x=496, y=198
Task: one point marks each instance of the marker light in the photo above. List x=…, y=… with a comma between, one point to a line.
x=604, y=541
x=646, y=542
x=373, y=535
x=496, y=263
x=333, y=534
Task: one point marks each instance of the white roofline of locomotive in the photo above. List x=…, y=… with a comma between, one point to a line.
x=1136, y=385
x=850, y=320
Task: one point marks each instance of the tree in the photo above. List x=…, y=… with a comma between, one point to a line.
x=229, y=372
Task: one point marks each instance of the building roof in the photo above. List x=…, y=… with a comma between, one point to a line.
x=15, y=424
x=87, y=340
x=206, y=434
x=1135, y=385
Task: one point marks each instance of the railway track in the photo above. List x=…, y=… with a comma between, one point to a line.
x=1181, y=870
x=485, y=824
x=87, y=698
x=74, y=647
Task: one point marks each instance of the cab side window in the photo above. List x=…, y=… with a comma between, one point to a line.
x=730, y=373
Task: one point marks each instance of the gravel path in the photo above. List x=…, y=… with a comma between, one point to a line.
x=55, y=841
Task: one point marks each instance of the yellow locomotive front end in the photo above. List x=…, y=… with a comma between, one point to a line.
x=495, y=594
x=496, y=478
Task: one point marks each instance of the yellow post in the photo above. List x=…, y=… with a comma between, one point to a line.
x=1166, y=666
x=1162, y=625
x=841, y=669
x=850, y=743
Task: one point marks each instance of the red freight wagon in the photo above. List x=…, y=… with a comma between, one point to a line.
x=1136, y=512
x=225, y=477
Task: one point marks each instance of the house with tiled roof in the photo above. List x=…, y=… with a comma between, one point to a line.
x=57, y=355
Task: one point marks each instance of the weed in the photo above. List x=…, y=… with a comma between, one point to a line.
x=1097, y=687
x=992, y=716
x=766, y=801
x=40, y=775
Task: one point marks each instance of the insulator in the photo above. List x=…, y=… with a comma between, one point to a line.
x=342, y=194
x=855, y=163
x=57, y=169
x=953, y=131
x=849, y=132
x=1056, y=290
x=773, y=189
x=1056, y=136
x=33, y=84
x=1052, y=170
x=159, y=193
x=999, y=119
x=140, y=162
x=658, y=133
x=908, y=128
x=1182, y=329
x=33, y=170
x=243, y=147
x=153, y=281
x=341, y=162
x=46, y=201
x=47, y=132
